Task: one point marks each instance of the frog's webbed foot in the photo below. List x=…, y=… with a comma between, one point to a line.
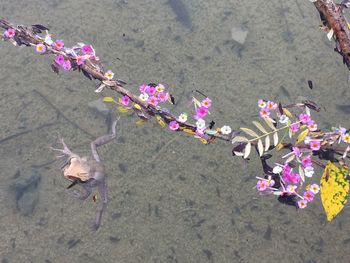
x=65, y=150
x=81, y=195
x=103, y=140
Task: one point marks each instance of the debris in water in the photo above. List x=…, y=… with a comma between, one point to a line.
x=239, y=35
x=181, y=12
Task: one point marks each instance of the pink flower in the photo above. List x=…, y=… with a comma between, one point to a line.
x=66, y=65
x=153, y=100
x=206, y=103
x=10, y=33
x=125, y=100
x=315, y=145
x=80, y=60
x=200, y=131
x=296, y=151
x=264, y=113
x=173, y=125
x=201, y=112
x=261, y=185
x=302, y=204
x=271, y=105
x=294, y=127
x=304, y=118
x=163, y=96
x=312, y=126
x=40, y=48
x=306, y=161
x=151, y=90
x=309, y=196
x=87, y=49
x=58, y=44
x=143, y=88
x=59, y=59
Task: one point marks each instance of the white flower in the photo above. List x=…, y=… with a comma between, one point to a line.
x=48, y=40
x=291, y=189
x=143, y=96
x=307, y=140
x=314, y=188
x=182, y=117
x=309, y=171
x=277, y=169
x=109, y=74
x=225, y=129
x=200, y=124
x=283, y=119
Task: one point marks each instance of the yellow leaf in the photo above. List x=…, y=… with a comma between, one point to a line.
x=140, y=122
x=287, y=113
x=137, y=106
x=189, y=131
x=279, y=147
x=108, y=99
x=160, y=121
x=204, y=141
x=302, y=136
x=123, y=109
x=334, y=189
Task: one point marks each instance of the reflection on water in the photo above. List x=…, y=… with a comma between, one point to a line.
x=171, y=198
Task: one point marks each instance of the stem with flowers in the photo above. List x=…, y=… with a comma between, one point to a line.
x=306, y=144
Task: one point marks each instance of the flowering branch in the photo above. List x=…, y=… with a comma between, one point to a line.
x=288, y=127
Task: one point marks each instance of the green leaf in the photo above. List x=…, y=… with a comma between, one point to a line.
x=334, y=189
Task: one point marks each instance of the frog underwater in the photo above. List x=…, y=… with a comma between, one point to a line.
x=88, y=172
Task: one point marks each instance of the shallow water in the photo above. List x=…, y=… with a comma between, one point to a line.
x=172, y=199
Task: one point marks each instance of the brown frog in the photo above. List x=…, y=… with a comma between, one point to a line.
x=88, y=172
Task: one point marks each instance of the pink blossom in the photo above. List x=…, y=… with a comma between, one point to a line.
x=143, y=88
x=58, y=44
x=315, y=145
x=304, y=118
x=80, y=60
x=295, y=127
x=125, y=100
x=40, y=48
x=200, y=131
x=173, y=125
x=66, y=65
x=264, y=113
x=306, y=161
x=312, y=126
x=302, y=204
x=261, y=185
x=153, y=100
x=271, y=105
x=206, y=103
x=291, y=178
x=201, y=112
x=309, y=196
x=296, y=151
x=10, y=33
x=151, y=90
x=59, y=59
x=163, y=96
x=87, y=49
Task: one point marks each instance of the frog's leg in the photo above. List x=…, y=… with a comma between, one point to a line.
x=103, y=140
x=103, y=190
